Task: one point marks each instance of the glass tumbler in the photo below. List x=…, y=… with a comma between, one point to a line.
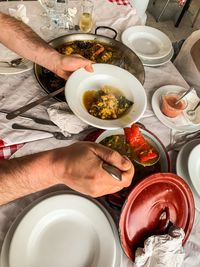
x=85, y=22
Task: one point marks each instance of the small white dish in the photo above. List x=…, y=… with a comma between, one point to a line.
x=65, y=228
x=194, y=167
x=147, y=42
x=179, y=123
x=182, y=168
x=105, y=74
x=23, y=67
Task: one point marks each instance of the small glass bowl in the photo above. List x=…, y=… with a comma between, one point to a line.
x=168, y=104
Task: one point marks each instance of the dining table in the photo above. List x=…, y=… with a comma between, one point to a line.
x=21, y=88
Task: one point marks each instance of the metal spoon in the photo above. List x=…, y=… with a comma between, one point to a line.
x=57, y=135
x=187, y=92
x=191, y=112
x=15, y=62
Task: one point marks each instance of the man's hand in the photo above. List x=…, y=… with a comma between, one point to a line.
x=79, y=166
x=65, y=65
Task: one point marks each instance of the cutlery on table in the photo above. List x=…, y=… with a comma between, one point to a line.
x=17, y=112
x=182, y=141
x=191, y=112
x=35, y=119
x=187, y=92
x=15, y=62
x=57, y=135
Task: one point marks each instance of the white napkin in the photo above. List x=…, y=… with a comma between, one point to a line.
x=162, y=250
x=68, y=123
x=19, y=13
x=72, y=11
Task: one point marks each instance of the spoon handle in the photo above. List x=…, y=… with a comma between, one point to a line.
x=21, y=127
x=187, y=92
x=17, y=112
x=198, y=104
x=113, y=171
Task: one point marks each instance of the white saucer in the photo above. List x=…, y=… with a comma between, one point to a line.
x=182, y=168
x=179, y=123
x=65, y=228
x=6, y=69
x=147, y=42
x=194, y=167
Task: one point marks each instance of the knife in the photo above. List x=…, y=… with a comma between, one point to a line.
x=35, y=119
x=19, y=111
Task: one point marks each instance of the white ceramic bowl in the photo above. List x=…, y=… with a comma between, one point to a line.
x=147, y=42
x=105, y=74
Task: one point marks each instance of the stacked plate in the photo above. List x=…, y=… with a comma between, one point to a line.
x=188, y=167
x=153, y=47
x=65, y=229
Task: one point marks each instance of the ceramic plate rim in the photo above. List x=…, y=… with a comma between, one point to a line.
x=17, y=221
x=183, y=170
x=112, y=75
x=191, y=167
x=149, y=30
x=162, y=117
x=16, y=70
x=160, y=62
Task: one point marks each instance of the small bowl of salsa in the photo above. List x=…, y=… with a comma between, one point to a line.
x=170, y=106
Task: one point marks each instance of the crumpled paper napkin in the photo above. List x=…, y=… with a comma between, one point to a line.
x=162, y=250
x=19, y=13
x=62, y=116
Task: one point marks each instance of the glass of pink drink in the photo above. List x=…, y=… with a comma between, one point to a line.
x=169, y=105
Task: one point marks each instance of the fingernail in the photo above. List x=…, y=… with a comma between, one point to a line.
x=125, y=160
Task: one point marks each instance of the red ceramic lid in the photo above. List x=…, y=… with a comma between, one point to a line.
x=142, y=214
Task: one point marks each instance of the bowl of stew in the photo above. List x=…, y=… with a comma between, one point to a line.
x=108, y=98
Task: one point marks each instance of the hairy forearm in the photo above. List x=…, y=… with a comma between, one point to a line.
x=20, y=38
x=25, y=175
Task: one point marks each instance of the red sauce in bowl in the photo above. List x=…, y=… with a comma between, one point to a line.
x=169, y=107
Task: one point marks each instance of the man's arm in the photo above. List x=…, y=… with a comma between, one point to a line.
x=79, y=166
x=20, y=38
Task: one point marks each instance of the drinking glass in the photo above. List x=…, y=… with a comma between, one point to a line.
x=61, y=12
x=85, y=22
x=49, y=6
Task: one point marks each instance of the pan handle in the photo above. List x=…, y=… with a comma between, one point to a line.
x=108, y=28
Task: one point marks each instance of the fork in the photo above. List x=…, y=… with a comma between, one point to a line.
x=15, y=62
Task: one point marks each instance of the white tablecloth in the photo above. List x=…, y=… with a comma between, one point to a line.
x=17, y=90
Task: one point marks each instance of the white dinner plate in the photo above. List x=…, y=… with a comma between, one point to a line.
x=182, y=167
x=105, y=74
x=147, y=42
x=6, y=69
x=158, y=62
x=64, y=230
x=194, y=167
x=180, y=123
